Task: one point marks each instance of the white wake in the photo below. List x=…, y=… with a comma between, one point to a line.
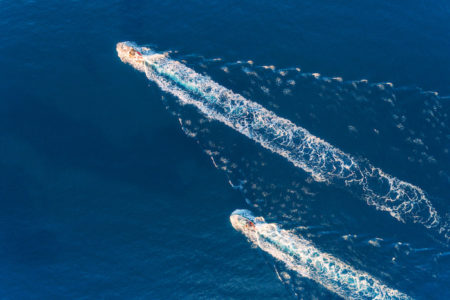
x=304, y=258
x=324, y=162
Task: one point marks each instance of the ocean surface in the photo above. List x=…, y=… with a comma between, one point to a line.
x=113, y=188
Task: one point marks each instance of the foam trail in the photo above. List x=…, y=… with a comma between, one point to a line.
x=304, y=258
x=322, y=161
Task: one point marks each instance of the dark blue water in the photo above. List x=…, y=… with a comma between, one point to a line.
x=104, y=196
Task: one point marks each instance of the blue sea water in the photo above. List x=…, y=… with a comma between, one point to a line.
x=104, y=196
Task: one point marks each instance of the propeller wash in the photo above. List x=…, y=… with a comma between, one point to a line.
x=304, y=258
x=324, y=162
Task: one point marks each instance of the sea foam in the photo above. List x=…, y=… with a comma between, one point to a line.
x=324, y=162
x=304, y=258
